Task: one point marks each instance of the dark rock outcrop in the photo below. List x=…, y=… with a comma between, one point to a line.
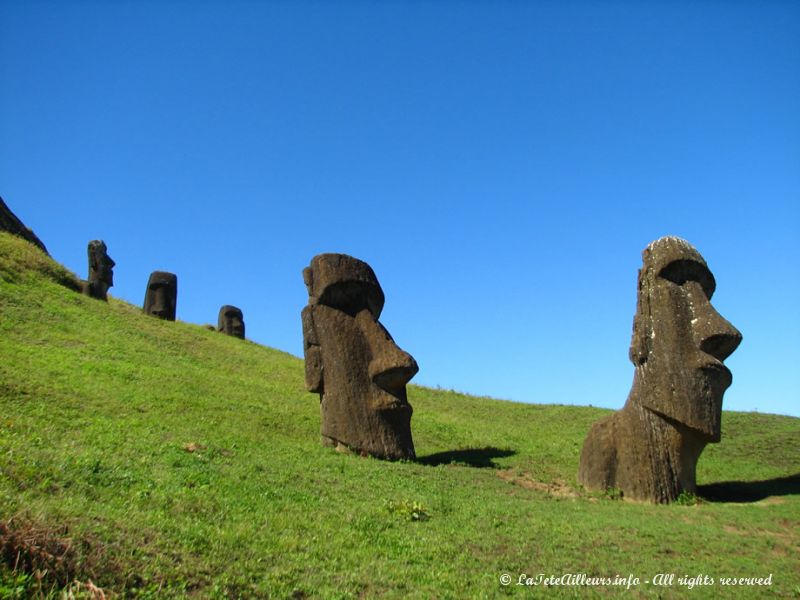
x=10, y=223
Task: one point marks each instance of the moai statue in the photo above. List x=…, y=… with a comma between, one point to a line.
x=649, y=449
x=353, y=362
x=101, y=271
x=161, y=297
x=231, y=321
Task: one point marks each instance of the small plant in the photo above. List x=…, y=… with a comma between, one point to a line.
x=613, y=493
x=413, y=511
x=687, y=499
x=83, y=591
x=14, y=585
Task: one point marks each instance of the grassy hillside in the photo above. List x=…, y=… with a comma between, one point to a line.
x=163, y=460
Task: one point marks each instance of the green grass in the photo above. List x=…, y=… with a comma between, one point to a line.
x=163, y=460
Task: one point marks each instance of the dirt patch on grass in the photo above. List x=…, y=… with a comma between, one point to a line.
x=783, y=543
x=193, y=447
x=51, y=555
x=28, y=548
x=736, y=530
x=558, y=489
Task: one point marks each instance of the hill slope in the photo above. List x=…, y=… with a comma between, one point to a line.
x=164, y=460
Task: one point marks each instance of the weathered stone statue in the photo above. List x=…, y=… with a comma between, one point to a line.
x=101, y=271
x=352, y=361
x=649, y=449
x=10, y=223
x=161, y=297
x=231, y=321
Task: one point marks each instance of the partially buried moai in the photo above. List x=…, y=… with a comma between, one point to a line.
x=649, y=449
x=101, y=271
x=161, y=297
x=353, y=362
x=231, y=321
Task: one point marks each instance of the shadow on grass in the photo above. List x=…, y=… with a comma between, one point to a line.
x=750, y=491
x=480, y=458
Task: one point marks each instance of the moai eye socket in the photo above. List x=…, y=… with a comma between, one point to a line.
x=352, y=297
x=681, y=271
x=344, y=283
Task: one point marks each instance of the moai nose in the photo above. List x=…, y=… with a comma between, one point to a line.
x=395, y=377
x=714, y=334
x=391, y=368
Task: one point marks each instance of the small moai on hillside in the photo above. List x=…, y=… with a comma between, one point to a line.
x=353, y=362
x=161, y=298
x=649, y=449
x=231, y=321
x=10, y=222
x=101, y=271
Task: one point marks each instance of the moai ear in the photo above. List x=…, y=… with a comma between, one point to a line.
x=308, y=279
x=312, y=352
x=642, y=327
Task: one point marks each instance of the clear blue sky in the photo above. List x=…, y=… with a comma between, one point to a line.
x=501, y=165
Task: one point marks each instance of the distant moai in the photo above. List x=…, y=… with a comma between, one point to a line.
x=161, y=297
x=649, y=449
x=353, y=362
x=101, y=271
x=10, y=222
x=231, y=321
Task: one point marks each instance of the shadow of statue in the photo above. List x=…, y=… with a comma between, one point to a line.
x=479, y=458
x=750, y=491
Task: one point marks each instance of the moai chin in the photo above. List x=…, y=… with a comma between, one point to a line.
x=649, y=449
x=353, y=362
x=101, y=271
x=231, y=321
x=161, y=297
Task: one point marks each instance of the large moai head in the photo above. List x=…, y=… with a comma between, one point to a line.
x=101, y=271
x=231, y=321
x=161, y=297
x=353, y=362
x=649, y=449
x=679, y=340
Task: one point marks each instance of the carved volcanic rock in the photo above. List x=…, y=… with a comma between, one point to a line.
x=10, y=223
x=649, y=449
x=101, y=271
x=231, y=321
x=353, y=362
x=161, y=298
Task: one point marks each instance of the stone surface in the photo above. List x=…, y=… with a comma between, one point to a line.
x=353, y=362
x=101, y=271
x=649, y=449
x=161, y=297
x=231, y=321
x=10, y=223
